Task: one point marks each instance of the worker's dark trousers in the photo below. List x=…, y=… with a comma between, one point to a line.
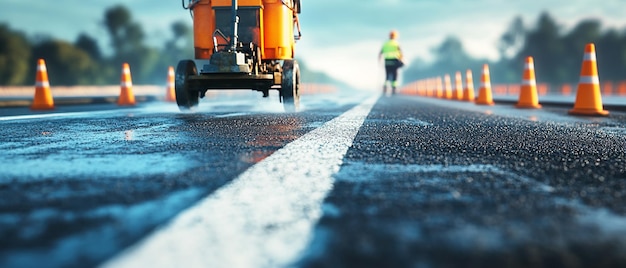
x=391, y=75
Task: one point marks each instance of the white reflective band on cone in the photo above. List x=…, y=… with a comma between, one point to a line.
x=529, y=83
x=589, y=80
x=42, y=84
x=589, y=56
x=127, y=84
x=529, y=66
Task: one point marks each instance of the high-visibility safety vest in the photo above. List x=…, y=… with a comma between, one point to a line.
x=391, y=50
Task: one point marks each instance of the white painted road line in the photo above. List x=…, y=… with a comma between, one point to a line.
x=263, y=218
x=62, y=115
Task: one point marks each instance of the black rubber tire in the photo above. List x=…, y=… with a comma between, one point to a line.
x=186, y=97
x=290, y=86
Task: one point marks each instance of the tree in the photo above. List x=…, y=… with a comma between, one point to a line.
x=449, y=57
x=127, y=39
x=89, y=45
x=451, y=53
x=611, y=56
x=182, y=32
x=66, y=64
x=545, y=45
x=117, y=21
x=180, y=46
x=14, y=57
x=182, y=40
x=513, y=39
x=587, y=31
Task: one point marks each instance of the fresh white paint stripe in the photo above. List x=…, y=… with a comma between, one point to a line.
x=231, y=115
x=63, y=115
x=264, y=217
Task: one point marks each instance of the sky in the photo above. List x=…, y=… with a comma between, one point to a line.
x=340, y=37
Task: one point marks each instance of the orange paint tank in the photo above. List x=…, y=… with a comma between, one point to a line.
x=278, y=30
x=203, y=27
x=274, y=20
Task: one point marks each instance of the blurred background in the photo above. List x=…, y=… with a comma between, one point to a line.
x=86, y=42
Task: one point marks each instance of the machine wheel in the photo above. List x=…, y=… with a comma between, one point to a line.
x=186, y=98
x=290, y=86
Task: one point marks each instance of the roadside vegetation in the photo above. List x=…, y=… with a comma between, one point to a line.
x=84, y=62
x=557, y=53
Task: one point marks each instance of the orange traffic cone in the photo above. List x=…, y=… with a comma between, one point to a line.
x=447, y=87
x=566, y=89
x=126, y=94
x=468, y=93
x=430, y=85
x=484, y=93
x=43, y=96
x=607, y=88
x=170, y=95
x=439, y=87
x=588, y=97
x=423, y=88
x=458, y=86
x=622, y=89
x=528, y=93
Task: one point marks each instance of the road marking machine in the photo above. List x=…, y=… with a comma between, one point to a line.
x=241, y=44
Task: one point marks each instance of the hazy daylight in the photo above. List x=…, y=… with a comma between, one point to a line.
x=340, y=38
x=313, y=133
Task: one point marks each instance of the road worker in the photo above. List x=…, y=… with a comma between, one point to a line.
x=392, y=55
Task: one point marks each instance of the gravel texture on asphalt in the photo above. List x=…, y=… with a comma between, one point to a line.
x=428, y=186
x=75, y=191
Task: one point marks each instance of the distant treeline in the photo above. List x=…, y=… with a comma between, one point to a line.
x=83, y=62
x=558, y=55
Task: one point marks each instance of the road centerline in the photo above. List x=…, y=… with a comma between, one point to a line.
x=263, y=218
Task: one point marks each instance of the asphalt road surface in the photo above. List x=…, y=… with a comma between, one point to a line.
x=351, y=181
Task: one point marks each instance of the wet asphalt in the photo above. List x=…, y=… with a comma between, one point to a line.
x=426, y=183
x=429, y=186
x=79, y=184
